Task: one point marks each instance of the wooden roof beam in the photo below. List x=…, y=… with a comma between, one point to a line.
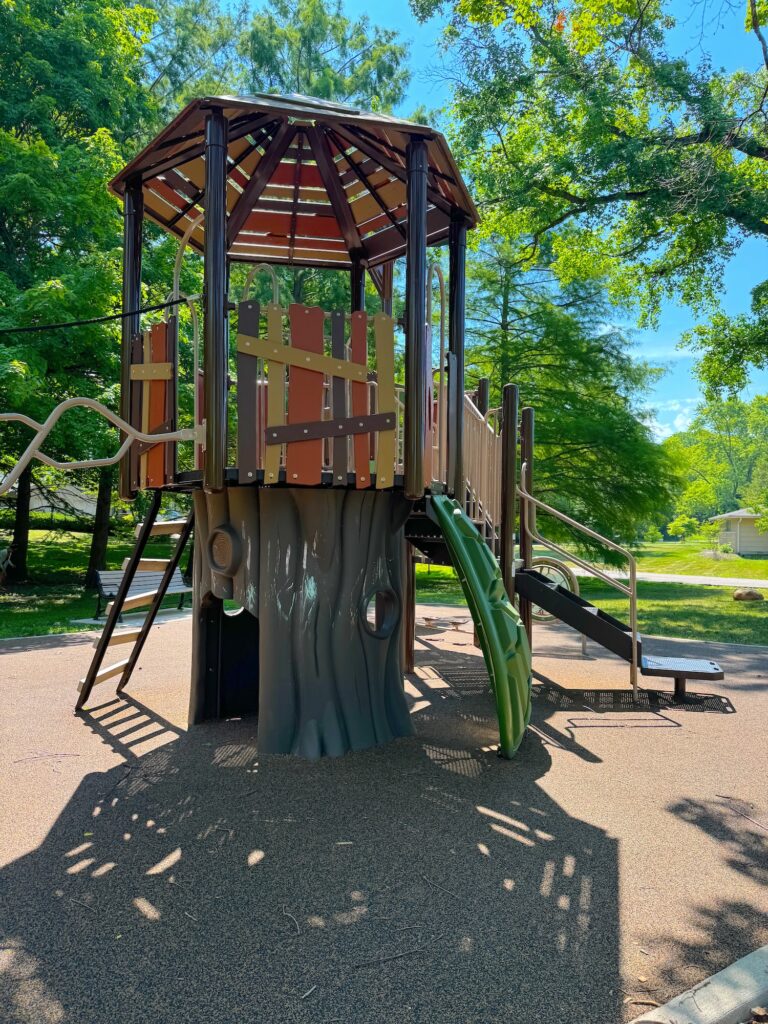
x=390, y=165
x=328, y=172
x=259, y=179
x=364, y=180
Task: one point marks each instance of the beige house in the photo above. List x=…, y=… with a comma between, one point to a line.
x=739, y=529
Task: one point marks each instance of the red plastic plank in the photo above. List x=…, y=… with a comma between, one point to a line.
x=304, y=459
x=362, y=442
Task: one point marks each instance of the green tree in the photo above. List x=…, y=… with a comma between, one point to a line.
x=595, y=456
x=596, y=147
x=71, y=89
x=311, y=47
x=719, y=456
x=683, y=527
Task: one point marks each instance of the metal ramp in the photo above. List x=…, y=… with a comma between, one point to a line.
x=152, y=600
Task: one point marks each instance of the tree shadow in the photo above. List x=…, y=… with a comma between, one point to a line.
x=426, y=879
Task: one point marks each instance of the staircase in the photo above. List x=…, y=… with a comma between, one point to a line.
x=609, y=632
x=485, y=442
x=152, y=600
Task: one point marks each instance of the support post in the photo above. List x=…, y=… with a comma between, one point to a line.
x=484, y=395
x=416, y=382
x=357, y=275
x=510, y=401
x=215, y=302
x=133, y=217
x=526, y=541
x=387, y=287
x=457, y=251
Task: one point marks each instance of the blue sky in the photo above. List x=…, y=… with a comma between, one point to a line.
x=675, y=397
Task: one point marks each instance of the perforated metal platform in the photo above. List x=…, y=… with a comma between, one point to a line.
x=680, y=668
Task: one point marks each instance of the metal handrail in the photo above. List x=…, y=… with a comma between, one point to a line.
x=44, y=429
x=630, y=591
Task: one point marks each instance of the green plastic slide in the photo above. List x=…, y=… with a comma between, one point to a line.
x=502, y=635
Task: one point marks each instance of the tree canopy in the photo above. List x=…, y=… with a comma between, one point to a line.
x=597, y=148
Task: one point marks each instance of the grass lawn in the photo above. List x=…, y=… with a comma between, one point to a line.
x=664, y=609
x=57, y=561
x=688, y=559
x=55, y=594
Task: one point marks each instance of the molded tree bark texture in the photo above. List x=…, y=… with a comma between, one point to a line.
x=322, y=572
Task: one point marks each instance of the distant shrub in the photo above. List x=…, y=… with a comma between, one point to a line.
x=727, y=549
x=683, y=527
x=652, y=535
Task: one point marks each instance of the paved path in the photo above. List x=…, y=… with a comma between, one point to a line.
x=670, y=577
x=148, y=872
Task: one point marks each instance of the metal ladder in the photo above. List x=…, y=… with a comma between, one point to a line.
x=135, y=563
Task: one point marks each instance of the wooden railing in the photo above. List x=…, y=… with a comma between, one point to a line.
x=308, y=409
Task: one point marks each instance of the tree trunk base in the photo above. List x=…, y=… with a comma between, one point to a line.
x=316, y=648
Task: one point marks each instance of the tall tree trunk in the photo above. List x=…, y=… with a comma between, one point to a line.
x=98, y=556
x=20, y=543
x=506, y=370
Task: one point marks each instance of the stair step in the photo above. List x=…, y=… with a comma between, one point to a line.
x=683, y=668
x=127, y=636
x=137, y=601
x=163, y=529
x=107, y=673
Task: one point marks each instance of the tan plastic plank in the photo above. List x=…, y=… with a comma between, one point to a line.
x=384, y=338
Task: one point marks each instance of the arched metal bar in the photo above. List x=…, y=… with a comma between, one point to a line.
x=267, y=269
x=44, y=429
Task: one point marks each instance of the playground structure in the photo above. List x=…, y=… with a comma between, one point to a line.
x=305, y=516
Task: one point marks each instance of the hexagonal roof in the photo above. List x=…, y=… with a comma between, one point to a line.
x=309, y=182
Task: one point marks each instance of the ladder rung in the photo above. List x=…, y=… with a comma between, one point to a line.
x=107, y=673
x=153, y=564
x=163, y=529
x=134, y=602
x=126, y=637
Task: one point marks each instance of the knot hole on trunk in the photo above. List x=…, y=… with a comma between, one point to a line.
x=381, y=612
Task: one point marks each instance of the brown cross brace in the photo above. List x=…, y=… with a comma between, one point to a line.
x=330, y=428
x=140, y=447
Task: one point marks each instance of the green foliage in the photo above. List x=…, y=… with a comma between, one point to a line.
x=595, y=149
x=710, y=534
x=595, y=457
x=683, y=526
x=652, y=535
x=311, y=47
x=723, y=457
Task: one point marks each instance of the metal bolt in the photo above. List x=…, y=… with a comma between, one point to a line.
x=295, y=476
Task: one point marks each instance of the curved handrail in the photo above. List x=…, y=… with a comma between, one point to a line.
x=44, y=429
x=176, y=294
x=630, y=591
x=267, y=269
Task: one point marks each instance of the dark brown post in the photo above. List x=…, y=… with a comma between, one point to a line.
x=357, y=275
x=508, y=486
x=133, y=216
x=387, y=287
x=484, y=395
x=526, y=541
x=215, y=301
x=416, y=318
x=457, y=251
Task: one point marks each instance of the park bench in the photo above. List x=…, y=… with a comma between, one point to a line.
x=144, y=583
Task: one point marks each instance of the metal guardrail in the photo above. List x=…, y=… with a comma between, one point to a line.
x=528, y=506
x=43, y=430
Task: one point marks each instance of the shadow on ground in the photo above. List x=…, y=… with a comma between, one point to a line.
x=423, y=881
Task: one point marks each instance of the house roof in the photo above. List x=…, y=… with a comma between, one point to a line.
x=739, y=513
x=308, y=183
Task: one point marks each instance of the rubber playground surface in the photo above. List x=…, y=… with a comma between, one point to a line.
x=150, y=873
